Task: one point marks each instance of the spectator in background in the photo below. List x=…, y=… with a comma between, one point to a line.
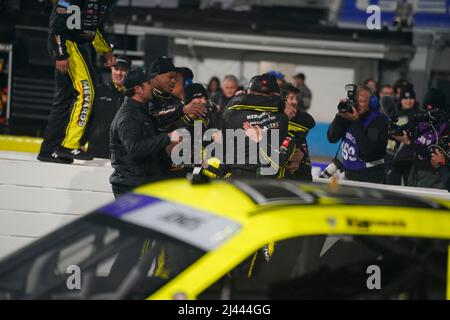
x=372, y=84
x=107, y=102
x=229, y=89
x=279, y=76
x=398, y=85
x=305, y=96
x=386, y=90
x=213, y=86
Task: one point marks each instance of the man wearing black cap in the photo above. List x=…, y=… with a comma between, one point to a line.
x=168, y=109
x=137, y=148
x=108, y=100
x=261, y=108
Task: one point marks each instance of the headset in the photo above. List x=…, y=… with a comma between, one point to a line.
x=373, y=101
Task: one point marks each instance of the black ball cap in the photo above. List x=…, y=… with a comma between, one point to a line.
x=136, y=76
x=194, y=90
x=265, y=83
x=162, y=65
x=122, y=62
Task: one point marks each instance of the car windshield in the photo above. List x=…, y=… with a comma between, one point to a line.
x=339, y=267
x=96, y=257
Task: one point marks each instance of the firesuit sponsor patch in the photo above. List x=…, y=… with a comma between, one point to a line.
x=86, y=103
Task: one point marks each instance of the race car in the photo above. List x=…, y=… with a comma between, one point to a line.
x=242, y=239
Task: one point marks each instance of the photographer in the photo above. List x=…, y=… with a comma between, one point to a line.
x=403, y=154
x=430, y=128
x=364, y=134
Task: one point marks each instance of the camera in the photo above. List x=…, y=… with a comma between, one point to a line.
x=441, y=145
x=347, y=105
x=332, y=168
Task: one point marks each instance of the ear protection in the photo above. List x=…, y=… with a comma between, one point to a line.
x=373, y=104
x=373, y=101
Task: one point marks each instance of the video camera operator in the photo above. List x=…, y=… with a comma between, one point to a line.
x=364, y=134
x=429, y=132
x=401, y=119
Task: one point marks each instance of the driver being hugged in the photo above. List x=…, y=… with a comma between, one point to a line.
x=364, y=134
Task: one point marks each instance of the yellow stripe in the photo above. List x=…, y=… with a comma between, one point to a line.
x=254, y=108
x=298, y=125
x=77, y=74
x=252, y=265
x=448, y=273
x=292, y=128
x=100, y=43
x=273, y=164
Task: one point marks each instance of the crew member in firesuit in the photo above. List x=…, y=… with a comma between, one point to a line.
x=74, y=76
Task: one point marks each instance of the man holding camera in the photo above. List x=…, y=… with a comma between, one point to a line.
x=364, y=134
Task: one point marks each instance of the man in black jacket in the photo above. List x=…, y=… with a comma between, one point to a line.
x=108, y=100
x=168, y=109
x=260, y=110
x=136, y=146
x=364, y=134
x=300, y=123
x=75, y=87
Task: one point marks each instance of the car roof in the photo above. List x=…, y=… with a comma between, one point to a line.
x=240, y=198
x=207, y=214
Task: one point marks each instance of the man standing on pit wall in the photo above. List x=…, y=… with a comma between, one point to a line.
x=364, y=134
x=75, y=88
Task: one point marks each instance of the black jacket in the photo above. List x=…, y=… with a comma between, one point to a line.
x=372, y=140
x=92, y=18
x=136, y=147
x=299, y=128
x=402, y=152
x=167, y=110
x=266, y=112
x=108, y=100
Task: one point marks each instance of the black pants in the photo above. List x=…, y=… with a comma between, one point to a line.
x=374, y=174
x=72, y=105
x=399, y=170
x=120, y=189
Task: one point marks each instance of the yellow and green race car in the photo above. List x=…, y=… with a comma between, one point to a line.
x=242, y=239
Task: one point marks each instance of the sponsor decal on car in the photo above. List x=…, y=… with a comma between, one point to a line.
x=193, y=226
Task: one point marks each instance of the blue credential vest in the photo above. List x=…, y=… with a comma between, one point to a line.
x=350, y=149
